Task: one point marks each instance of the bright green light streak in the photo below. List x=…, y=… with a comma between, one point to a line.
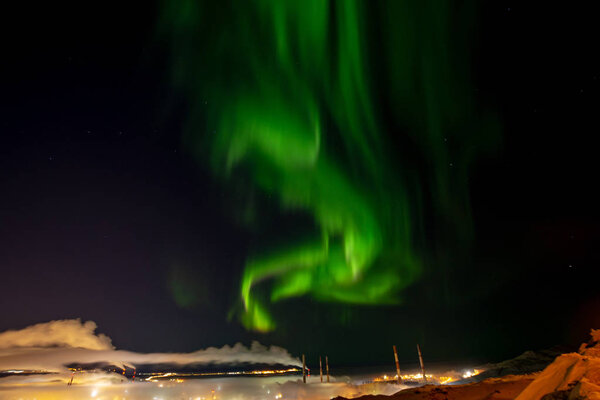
x=291, y=92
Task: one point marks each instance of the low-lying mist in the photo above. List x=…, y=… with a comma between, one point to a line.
x=52, y=346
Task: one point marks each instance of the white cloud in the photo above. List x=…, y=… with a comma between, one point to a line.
x=52, y=345
x=62, y=333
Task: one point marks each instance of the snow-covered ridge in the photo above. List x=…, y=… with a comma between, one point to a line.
x=572, y=376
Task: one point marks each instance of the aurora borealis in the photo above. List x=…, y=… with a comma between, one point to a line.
x=329, y=177
x=311, y=101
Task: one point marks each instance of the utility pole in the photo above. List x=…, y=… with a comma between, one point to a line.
x=397, y=366
x=303, y=369
x=327, y=367
x=320, y=369
x=421, y=361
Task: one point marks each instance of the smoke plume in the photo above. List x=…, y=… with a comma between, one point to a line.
x=52, y=345
x=70, y=333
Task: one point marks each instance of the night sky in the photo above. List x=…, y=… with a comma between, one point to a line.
x=108, y=214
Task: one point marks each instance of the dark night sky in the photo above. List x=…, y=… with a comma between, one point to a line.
x=99, y=201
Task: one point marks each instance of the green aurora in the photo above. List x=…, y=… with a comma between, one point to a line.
x=356, y=115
